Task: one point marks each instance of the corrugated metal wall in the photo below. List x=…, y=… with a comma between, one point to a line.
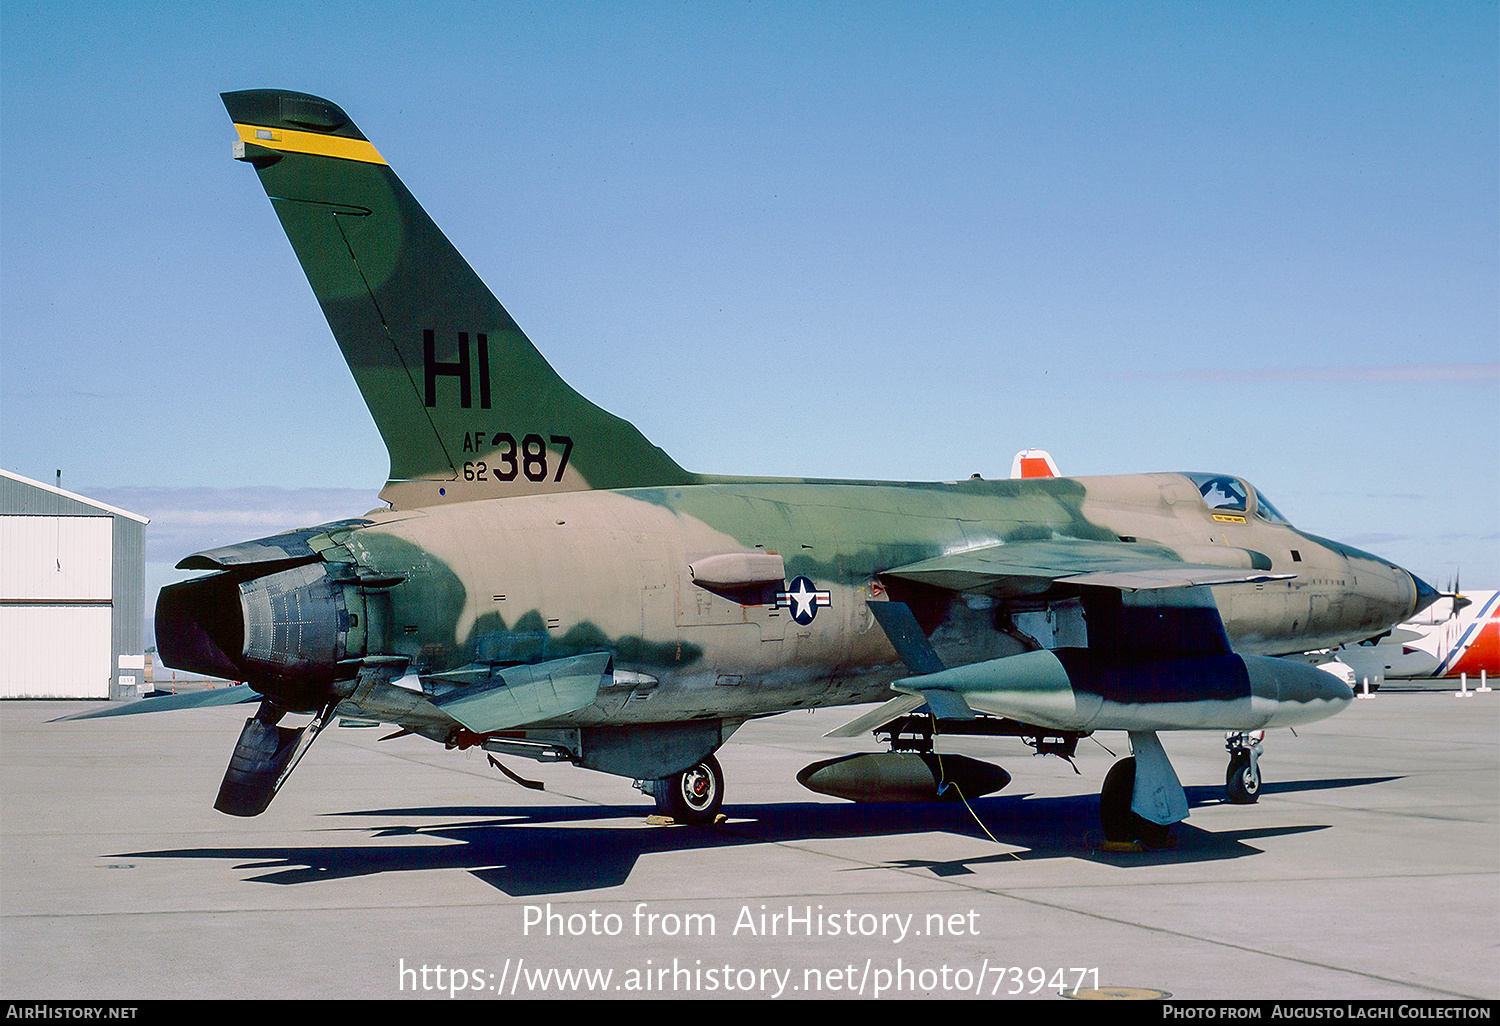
x=55, y=651
x=128, y=574
x=72, y=595
x=23, y=497
x=56, y=558
x=56, y=606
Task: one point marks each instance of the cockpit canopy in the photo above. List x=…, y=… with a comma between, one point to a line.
x=1231, y=494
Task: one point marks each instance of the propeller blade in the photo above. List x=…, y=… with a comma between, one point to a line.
x=1456, y=600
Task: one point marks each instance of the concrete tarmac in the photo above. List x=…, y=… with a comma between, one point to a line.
x=1370, y=869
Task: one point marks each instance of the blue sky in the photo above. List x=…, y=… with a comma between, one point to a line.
x=1259, y=238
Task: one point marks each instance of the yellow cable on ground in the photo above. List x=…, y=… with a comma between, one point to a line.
x=944, y=783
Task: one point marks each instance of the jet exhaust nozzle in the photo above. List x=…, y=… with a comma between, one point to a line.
x=285, y=631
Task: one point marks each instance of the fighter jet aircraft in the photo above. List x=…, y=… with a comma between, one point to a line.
x=547, y=583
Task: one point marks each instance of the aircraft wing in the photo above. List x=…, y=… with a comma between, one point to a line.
x=1156, y=654
x=1014, y=568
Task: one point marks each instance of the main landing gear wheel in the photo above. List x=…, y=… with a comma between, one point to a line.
x=694, y=795
x=1115, y=815
x=1242, y=781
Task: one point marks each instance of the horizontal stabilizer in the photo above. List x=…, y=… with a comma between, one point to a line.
x=236, y=695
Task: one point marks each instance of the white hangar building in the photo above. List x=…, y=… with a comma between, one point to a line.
x=72, y=594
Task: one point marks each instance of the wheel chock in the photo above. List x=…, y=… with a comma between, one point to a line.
x=657, y=820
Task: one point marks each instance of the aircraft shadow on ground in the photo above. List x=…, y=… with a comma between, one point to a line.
x=559, y=849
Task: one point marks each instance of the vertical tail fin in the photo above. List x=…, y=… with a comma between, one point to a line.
x=1033, y=463
x=466, y=405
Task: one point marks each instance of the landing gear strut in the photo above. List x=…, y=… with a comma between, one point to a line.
x=692, y=796
x=1119, y=822
x=1242, y=779
x=1142, y=798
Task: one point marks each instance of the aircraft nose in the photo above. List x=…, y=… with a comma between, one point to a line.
x=1426, y=593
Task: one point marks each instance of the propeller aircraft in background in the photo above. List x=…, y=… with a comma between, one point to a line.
x=1457, y=636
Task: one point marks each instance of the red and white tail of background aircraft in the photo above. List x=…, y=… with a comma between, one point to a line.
x=1033, y=463
x=1468, y=642
x=1441, y=643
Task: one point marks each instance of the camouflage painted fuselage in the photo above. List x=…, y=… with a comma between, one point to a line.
x=542, y=577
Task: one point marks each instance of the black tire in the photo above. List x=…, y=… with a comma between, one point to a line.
x=694, y=795
x=1119, y=822
x=1241, y=781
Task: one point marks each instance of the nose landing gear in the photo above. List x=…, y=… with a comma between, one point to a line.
x=1242, y=779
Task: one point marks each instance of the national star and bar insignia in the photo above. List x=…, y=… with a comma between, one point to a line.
x=803, y=599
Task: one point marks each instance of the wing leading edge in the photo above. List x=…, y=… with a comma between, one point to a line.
x=1019, y=567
